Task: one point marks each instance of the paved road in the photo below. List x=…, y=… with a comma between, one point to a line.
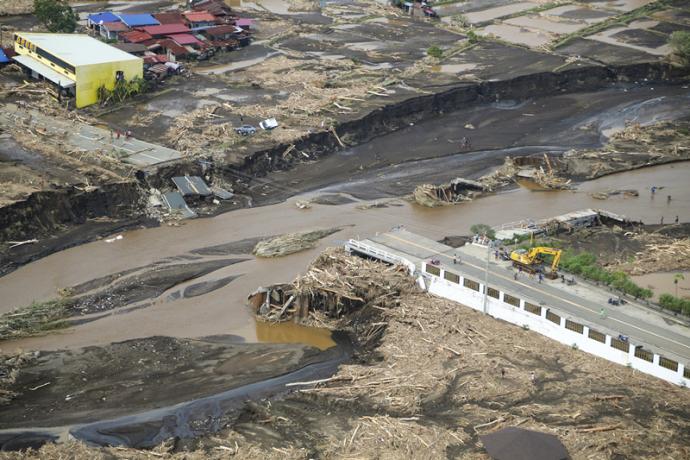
x=671, y=342
x=85, y=137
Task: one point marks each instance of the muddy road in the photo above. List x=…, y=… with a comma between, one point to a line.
x=429, y=151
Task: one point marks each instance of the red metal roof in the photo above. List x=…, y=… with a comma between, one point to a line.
x=115, y=26
x=185, y=39
x=136, y=36
x=155, y=59
x=220, y=30
x=169, y=17
x=173, y=47
x=165, y=29
x=199, y=16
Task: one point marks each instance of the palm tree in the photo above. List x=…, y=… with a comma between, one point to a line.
x=677, y=277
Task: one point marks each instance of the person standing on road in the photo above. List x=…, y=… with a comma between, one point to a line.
x=676, y=219
x=602, y=313
x=541, y=277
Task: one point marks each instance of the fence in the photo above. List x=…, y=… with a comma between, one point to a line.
x=552, y=324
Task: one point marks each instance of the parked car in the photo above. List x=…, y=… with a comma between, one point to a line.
x=246, y=130
x=269, y=123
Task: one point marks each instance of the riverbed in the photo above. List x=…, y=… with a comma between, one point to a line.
x=223, y=311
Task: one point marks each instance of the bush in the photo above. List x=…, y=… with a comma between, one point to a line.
x=483, y=229
x=675, y=304
x=680, y=42
x=584, y=264
x=435, y=52
x=56, y=15
x=472, y=36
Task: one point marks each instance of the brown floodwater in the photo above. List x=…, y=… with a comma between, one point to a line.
x=662, y=283
x=224, y=312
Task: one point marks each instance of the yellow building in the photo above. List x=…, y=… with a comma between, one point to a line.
x=77, y=64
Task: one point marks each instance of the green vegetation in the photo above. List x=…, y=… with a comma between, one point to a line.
x=680, y=43
x=123, y=90
x=435, y=52
x=35, y=319
x=483, y=229
x=56, y=15
x=472, y=36
x=584, y=264
x=675, y=304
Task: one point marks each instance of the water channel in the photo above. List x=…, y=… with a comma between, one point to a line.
x=223, y=311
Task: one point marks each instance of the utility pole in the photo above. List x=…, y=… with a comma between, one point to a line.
x=486, y=276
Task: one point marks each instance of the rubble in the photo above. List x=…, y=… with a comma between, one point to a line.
x=456, y=191
x=609, y=193
x=290, y=243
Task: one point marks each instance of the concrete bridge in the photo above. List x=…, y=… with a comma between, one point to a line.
x=656, y=344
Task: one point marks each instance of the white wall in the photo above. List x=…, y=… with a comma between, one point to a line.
x=441, y=287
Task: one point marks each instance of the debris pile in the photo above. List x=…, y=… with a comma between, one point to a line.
x=456, y=191
x=10, y=366
x=660, y=254
x=628, y=193
x=336, y=284
x=290, y=243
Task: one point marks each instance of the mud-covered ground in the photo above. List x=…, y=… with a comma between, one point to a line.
x=434, y=377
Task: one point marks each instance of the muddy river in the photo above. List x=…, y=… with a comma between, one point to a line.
x=223, y=310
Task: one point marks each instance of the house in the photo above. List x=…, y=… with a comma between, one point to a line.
x=169, y=17
x=223, y=32
x=93, y=21
x=138, y=20
x=136, y=36
x=215, y=7
x=136, y=49
x=112, y=30
x=199, y=20
x=75, y=64
x=244, y=23
x=173, y=51
x=186, y=40
x=165, y=30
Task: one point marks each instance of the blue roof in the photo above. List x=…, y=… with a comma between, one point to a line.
x=3, y=57
x=136, y=20
x=105, y=16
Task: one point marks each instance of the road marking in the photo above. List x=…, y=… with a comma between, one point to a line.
x=542, y=292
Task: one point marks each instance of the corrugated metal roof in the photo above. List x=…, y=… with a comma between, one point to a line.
x=45, y=71
x=136, y=36
x=131, y=47
x=169, y=17
x=166, y=29
x=136, y=20
x=199, y=16
x=221, y=30
x=185, y=39
x=77, y=49
x=175, y=202
x=244, y=22
x=191, y=185
x=105, y=16
x=115, y=26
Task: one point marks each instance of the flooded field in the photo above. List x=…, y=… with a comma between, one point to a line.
x=664, y=283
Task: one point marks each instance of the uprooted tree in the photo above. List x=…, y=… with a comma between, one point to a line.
x=56, y=15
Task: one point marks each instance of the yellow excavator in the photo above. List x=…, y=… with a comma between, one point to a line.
x=531, y=262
